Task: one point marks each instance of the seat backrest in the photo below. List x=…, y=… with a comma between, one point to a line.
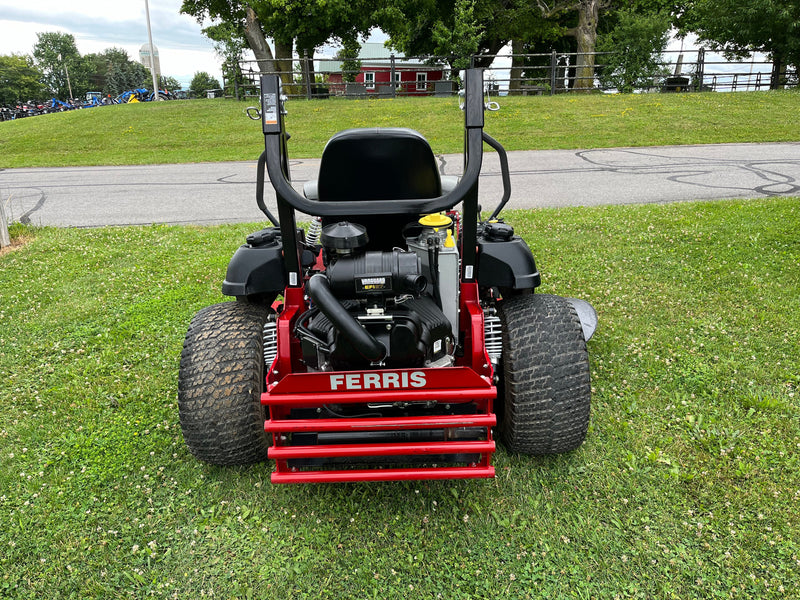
x=378, y=164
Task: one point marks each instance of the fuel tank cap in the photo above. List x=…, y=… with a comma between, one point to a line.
x=436, y=220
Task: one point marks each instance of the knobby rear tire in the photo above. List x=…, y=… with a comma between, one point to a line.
x=546, y=379
x=220, y=383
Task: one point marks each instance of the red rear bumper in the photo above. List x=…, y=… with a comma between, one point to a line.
x=442, y=388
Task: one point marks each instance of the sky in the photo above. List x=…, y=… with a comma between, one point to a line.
x=100, y=24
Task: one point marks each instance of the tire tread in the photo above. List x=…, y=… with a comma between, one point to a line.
x=545, y=375
x=220, y=382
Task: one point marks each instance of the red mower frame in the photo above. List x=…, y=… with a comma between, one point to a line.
x=469, y=381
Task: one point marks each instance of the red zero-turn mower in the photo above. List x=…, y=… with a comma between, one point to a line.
x=396, y=336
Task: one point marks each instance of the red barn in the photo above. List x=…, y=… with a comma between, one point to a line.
x=383, y=73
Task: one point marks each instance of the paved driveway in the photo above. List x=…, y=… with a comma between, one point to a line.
x=209, y=193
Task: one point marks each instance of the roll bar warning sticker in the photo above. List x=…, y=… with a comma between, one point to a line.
x=269, y=108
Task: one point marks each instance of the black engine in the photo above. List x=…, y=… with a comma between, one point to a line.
x=370, y=309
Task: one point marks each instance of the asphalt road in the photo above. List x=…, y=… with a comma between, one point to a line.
x=211, y=193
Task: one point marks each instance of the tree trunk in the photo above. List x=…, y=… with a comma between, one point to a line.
x=517, y=63
x=778, y=75
x=258, y=43
x=308, y=54
x=283, y=60
x=586, y=35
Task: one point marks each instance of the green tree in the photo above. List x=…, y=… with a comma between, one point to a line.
x=229, y=44
x=57, y=56
x=634, y=48
x=244, y=17
x=97, y=69
x=304, y=24
x=584, y=20
x=463, y=39
x=165, y=82
x=584, y=31
x=462, y=28
x=739, y=28
x=201, y=82
x=20, y=80
x=126, y=76
x=454, y=28
x=348, y=54
x=113, y=72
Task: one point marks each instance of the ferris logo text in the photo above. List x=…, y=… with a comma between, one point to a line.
x=378, y=381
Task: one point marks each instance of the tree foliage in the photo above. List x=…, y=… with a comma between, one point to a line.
x=113, y=72
x=634, y=48
x=165, y=82
x=57, y=55
x=20, y=80
x=348, y=54
x=739, y=28
x=463, y=39
x=456, y=28
x=311, y=23
x=201, y=82
x=305, y=24
x=229, y=40
x=229, y=44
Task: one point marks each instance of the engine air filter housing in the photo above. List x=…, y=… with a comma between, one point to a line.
x=344, y=237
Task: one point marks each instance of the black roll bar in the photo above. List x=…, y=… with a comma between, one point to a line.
x=262, y=160
x=504, y=171
x=466, y=191
x=274, y=146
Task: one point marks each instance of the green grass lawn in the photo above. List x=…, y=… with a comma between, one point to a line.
x=218, y=130
x=688, y=484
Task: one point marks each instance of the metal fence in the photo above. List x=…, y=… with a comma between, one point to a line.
x=523, y=74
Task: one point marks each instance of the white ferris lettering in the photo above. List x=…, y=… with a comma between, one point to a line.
x=378, y=381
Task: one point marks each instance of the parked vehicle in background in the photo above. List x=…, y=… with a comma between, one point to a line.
x=23, y=109
x=143, y=95
x=94, y=98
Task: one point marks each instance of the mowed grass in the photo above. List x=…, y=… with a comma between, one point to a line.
x=687, y=486
x=218, y=130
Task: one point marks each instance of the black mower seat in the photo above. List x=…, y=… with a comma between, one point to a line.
x=378, y=164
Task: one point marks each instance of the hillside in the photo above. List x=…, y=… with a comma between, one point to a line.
x=218, y=130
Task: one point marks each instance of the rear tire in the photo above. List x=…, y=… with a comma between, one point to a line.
x=220, y=382
x=546, y=380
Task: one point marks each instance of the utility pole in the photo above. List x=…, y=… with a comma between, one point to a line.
x=69, y=85
x=156, y=95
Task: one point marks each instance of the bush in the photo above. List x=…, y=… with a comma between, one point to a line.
x=201, y=82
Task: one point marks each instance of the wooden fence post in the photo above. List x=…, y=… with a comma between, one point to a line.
x=5, y=239
x=700, y=70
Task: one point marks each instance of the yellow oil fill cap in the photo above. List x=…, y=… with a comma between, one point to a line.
x=436, y=220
